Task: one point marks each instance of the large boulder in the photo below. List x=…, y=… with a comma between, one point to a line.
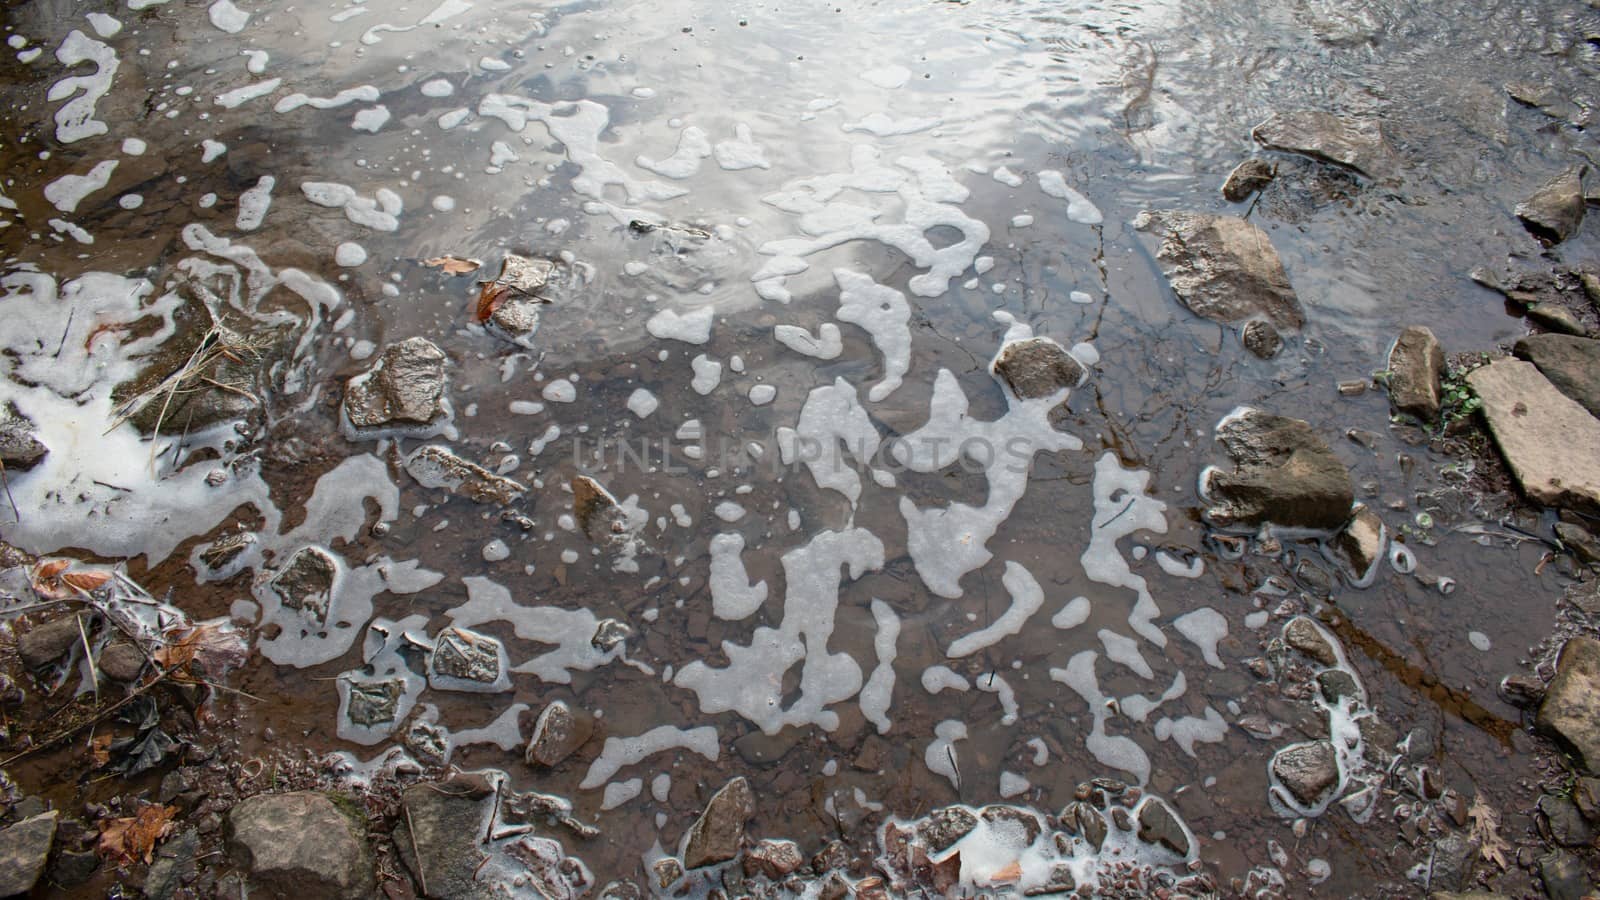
x=300, y=845
x=441, y=833
x=1570, y=713
x=717, y=835
x=1353, y=143
x=24, y=848
x=1416, y=373
x=1571, y=363
x=403, y=389
x=1555, y=210
x=1551, y=443
x=1284, y=474
x=1222, y=267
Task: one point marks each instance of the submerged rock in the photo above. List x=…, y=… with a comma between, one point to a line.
x=1570, y=712
x=440, y=834
x=1306, y=636
x=404, y=389
x=509, y=305
x=1354, y=143
x=1416, y=374
x=1551, y=443
x=306, y=581
x=1284, y=474
x=1159, y=825
x=1223, y=268
x=598, y=513
x=375, y=702
x=1246, y=178
x=1555, y=210
x=1308, y=771
x=1037, y=367
x=466, y=660
x=19, y=449
x=773, y=859
x=557, y=734
x=300, y=845
x=944, y=827
x=1570, y=363
x=1260, y=338
x=434, y=466
x=24, y=848
x=715, y=837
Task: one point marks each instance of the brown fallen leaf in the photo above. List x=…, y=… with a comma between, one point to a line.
x=489, y=299
x=100, y=750
x=85, y=581
x=453, y=265
x=125, y=841
x=1486, y=831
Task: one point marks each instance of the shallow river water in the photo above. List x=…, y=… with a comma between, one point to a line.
x=789, y=241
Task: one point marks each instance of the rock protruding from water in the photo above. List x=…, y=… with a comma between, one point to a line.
x=1159, y=825
x=1284, y=474
x=1570, y=712
x=1555, y=210
x=1551, y=443
x=774, y=859
x=1416, y=373
x=1246, y=178
x=440, y=833
x=1352, y=142
x=19, y=449
x=42, y=645
x=24, y=848
x=715, y=837
x=557, y=734
x=1037, y=367
x=1359, y=544
x=300, y=845
x=434, y=466
x=1306, y=636
x=598, y=513
x=1223, y=268
x=305, y=582
x=1261, y=338
x=404, y=389
x=1570, y=363
x=509, y=305
x=1308, y=771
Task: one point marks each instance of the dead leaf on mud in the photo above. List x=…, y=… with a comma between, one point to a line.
x=1486, y=831
x=100, y=750
x=453, y=265
x=127, y=840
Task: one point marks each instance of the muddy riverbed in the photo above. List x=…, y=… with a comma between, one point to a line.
x=615, y=401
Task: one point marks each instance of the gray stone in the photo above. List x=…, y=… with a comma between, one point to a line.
x=305, y=583
x=19, y=449
x=1551, y=443
x=1577, y=539
x=1223, y=268
x=1246, y=178
x=1284, y=474
x=173, y=866
x=1555, y=210
x=374, y=702
x=440, y=835
x=1357, y=144
x=1261, y=338
x=1524, y=691
x=1586, y=796
x=1021, y=818
x=224, y=550
x=943, y=827
x=42, y=645
x=1037, y=367
x=300, y=845
x=1557, y=318
x=1564, y=876
x=24, y=848
x=463, y=655
x=1083, y=820
x=557, y=734
x=1566, y=824
x=1308, y=771
x=1416, y=374
x=1336, y=684
x=1306, y=636
x=1570, y=712
x=434, y=466
x=608, y=633
x=74, y=867
x=715, y=837
x=1452, y=861
x=1359, y=544
x=1570, y=363
x=773, y=859
x=404, y=388
x=122, y=661
x=192, y=361
x=1158, y=824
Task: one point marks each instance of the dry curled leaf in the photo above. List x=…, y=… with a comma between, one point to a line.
x=493, y=294
x=85, y=581
x=453, y=265
x=134, y=838
x=1486, y=831
x=100, y=750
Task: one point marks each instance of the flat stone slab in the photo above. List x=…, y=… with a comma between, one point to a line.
x=1571, y=363
x=1352, y=142
x=1551, y=443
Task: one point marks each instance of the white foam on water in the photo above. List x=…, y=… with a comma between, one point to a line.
x=887, y=77
x=691, y=327
x=707, y=374
x=1125, y=650
x=349, y=254
x=752, y=684
x=948, y=542
x=620, y=792
x=210, y=150
x=1006, y=177
x=994, y=683
x=254, y=203
x=1205, y=628
x=1079, y=207
x=560, y=391
x=642, y=403
x=879, y=690
x=733, y=596
x=831, y=415
x=827, y=343
x=1186, y=731
x=940, y=757
x=379, y=212
x=365, y=93
x=130, y=201
x=1080, y=297
x=242, y=95
x=1177, y=568
x=1013, y=785
x=1026, y=599
x=1075, y=613
x=1041, y=750
x=104, y=25
x=882, y=312
x=728, y=511
x=255, y=61
x=1116, y=751
x=454, y=117
x=661, y=787
x=227, y=17
x=436, y=88
x=882, y=125
x=620, y=752
x=1018, y=221
x=383, y=662
x=693, y=147
x=75, y=119
x=762, y=394
x=1479, y=641
x=66, y=192
x=943, y=678
x=62, y=226
x=568, y=632
x=1121, y=507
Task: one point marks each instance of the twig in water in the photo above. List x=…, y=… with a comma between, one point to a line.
x=88, y=654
